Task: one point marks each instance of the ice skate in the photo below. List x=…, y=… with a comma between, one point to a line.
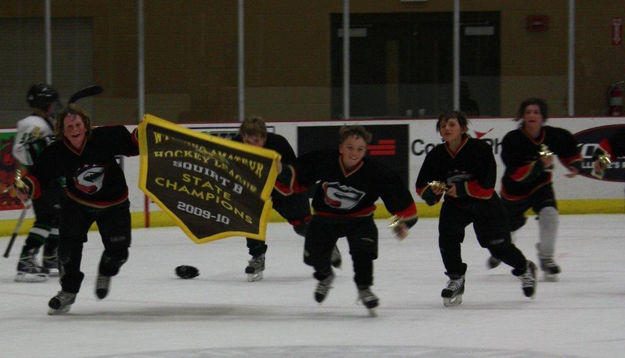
x=550, y=269
x=255, y=268
x=51, y=263
x=102, y=286
x=452, y=294
x=28, y=270
x=528, y=280
x=61, y=303
x=336, y=259
x=321, y=292
x=369, y=299
x=492, y=262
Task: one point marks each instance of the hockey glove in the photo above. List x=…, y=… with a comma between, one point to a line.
x=22, y=190
x=400, y=226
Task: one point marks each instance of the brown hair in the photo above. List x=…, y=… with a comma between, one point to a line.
x=359, y=131
x=542, y=107
x=71, y=109
x=253, y=126
x=459, y=115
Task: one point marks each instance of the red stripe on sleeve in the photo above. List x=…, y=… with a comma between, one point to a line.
x=475, y=190
x=522, y=172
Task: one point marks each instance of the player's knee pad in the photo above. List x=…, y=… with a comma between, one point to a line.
x=301, y=228
x=517, y=222
x=364, y=247
x=363, y=255
x=449, y=243
x=498, y=248
x=112, y=260
x=69, y=253
x=117, y=243
x=307, y=258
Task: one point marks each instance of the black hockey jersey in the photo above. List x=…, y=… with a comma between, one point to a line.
x=279, y=144
x=347, y=193
x=520, y=154
x=91, y=176
x=471, y=167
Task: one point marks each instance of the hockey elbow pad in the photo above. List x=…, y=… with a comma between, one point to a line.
x=286, y=175
x=284, y=181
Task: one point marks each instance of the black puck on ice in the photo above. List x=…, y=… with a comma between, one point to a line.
x=187, y=272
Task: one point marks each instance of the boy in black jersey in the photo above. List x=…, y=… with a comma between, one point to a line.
x=528, y=154
x=295, y=208
x=83, y=162
x=463, y=170
x=344, y=202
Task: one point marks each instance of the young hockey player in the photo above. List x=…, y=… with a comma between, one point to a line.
x=344, y=202
x=528, y=154
x=96, y=191
x=34, y=133
x=295, y=208
x=463, y=170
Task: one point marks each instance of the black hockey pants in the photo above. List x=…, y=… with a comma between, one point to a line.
x=362, y=237
x=295, y=208
x=115, y=230
x=490, y=223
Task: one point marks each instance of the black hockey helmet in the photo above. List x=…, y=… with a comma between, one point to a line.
x=41, y=95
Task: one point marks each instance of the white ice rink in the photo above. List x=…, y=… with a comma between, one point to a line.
x=152, y=313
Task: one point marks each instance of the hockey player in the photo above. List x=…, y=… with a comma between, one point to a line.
x=344, y=202
x=34, y=133
x=295, y=208
x=607, y=151
x=528, y=154
x=96, y=191
x=463, y=170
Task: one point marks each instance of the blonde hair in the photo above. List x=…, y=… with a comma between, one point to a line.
x=253, y=126
x=354, y=130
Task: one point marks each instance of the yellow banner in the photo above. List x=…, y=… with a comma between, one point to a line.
x=211, y=187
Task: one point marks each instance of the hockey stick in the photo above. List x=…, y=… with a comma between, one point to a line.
x=16, y=230
x=85, y=92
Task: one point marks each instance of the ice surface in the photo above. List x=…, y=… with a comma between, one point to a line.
x=152, y=313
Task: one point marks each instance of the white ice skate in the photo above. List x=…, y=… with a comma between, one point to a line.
x=323, y=287
x=29, y=271
x=452, y=294
x=528, y=280
x=52, y=264
x=369, y=299
x=255, y=268
x=102, y=286
x=550, y=269
x=61, y=303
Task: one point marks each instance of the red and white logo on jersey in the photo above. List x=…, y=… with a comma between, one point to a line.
x=89, y=178
x=341, y=196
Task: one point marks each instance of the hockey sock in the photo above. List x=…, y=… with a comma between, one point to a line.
x=547, y=231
